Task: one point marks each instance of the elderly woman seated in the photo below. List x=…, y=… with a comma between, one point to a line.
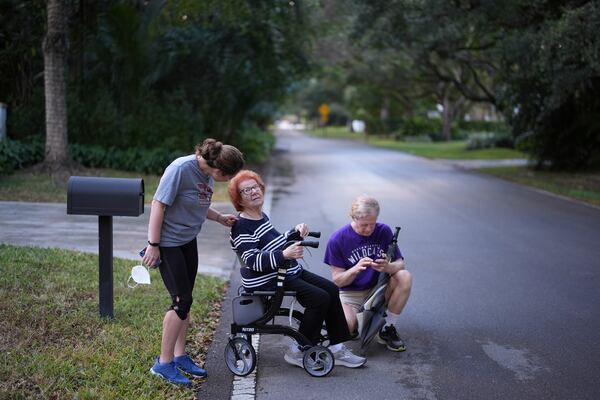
x=260, y=247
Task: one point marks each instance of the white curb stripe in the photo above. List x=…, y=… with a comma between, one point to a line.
x=244, y=387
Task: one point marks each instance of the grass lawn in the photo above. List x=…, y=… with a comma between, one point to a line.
x=580, y=186
x=29, y=185
x=53, y=344
x=335, y=132
x=454, y=150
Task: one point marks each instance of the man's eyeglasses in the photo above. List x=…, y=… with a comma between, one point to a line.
x=250, y=189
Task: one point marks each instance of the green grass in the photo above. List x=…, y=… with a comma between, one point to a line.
x=453, y=150
x=580, y=186
x=54, y=345
x=335, y=132
x=29, y=185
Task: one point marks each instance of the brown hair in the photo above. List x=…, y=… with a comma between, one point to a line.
x=228, y=159
x=234, y=186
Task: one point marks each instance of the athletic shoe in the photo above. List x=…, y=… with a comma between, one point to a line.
x=170, y=373
x=294, y=358
x=346, y=358
x=389, y=336
x=186, y=364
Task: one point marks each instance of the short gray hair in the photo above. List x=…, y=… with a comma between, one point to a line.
x=363, y=206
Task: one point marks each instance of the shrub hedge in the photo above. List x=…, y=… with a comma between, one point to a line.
x=487, y=140
x=14, y=154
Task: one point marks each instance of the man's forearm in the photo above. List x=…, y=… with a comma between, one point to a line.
x=342, y=279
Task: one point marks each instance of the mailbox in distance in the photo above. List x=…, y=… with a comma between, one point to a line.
x=105, y=196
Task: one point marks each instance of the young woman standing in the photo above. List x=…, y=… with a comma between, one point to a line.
x=179, y=208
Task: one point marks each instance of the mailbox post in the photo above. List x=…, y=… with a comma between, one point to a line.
x=105, y=197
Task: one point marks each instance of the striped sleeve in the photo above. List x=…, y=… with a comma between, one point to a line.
x=259, y=249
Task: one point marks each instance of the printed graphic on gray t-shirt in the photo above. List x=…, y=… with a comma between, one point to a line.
x=187, y=192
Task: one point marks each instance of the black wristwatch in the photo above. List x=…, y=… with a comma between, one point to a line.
x=153, y=244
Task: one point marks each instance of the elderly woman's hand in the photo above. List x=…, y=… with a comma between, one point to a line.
x=293, y=252
x=302, y=229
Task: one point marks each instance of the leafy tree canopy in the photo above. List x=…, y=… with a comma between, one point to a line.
x=158, y=73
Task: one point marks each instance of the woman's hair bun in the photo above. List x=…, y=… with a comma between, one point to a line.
x=225, y=157
x=210, y=150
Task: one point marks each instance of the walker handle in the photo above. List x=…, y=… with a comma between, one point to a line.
x=309, y=243
x=295, y=235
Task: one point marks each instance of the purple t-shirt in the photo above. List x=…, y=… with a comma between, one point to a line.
x=346, y=247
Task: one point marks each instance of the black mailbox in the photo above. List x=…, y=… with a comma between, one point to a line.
x=105, y=196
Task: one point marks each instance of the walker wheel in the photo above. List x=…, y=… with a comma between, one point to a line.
x=240, y=356
x=318, y=361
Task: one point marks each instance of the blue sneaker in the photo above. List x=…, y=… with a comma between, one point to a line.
x=170, y=373
x=186, y=364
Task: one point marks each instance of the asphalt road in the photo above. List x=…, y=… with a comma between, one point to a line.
x=506, y=279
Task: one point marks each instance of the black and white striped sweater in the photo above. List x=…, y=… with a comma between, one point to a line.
x=260, y=248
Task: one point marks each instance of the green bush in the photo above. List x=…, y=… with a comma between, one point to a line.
x=16, y=154
x=255, y=143
x=524, y=142
x=488, y=140
x=149, y=161
x=483, y=126
x=418, y=126
x=168, y=121
x=338, y=115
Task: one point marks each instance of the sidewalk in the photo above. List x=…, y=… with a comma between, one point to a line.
x=474, y=164
x=48, y=225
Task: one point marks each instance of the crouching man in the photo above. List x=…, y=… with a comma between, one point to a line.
x=356, y=255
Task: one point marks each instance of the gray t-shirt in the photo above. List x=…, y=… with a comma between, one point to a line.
x=187, y=192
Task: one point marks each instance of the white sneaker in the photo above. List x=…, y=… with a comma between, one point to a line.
x=346, y=358
x=294, y=358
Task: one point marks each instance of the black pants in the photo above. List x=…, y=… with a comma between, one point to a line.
x=178, y=269
x=321, y=301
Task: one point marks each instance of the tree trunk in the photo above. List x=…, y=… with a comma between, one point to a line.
x=384, y=114
x=447, y=116
x=55, y=50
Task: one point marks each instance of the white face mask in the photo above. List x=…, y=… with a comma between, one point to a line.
x=140, y=275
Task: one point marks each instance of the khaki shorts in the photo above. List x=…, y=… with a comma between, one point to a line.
x=355, y=298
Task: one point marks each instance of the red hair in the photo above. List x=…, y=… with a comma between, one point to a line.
x=234, y=186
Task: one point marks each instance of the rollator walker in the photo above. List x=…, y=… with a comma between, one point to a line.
x=371, y=315
x=255, y=312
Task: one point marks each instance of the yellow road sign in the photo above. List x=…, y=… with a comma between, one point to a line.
x=324, y=111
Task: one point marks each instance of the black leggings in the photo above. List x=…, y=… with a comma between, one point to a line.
x=321, y=301
x=178, y=269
